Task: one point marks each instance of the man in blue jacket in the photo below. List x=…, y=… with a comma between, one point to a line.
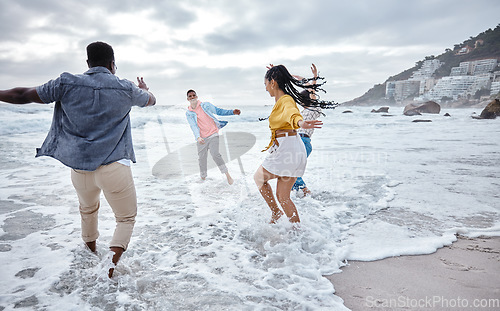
x=205, y=128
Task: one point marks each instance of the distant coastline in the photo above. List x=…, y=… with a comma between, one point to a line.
x=466, y=76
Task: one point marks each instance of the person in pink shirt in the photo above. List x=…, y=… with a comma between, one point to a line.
x=205, y=127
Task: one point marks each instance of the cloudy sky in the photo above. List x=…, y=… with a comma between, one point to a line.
x=221, y=47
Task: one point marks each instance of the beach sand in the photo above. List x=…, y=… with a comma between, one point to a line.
x=462, y=276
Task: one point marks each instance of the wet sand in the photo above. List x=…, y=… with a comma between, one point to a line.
x=462, y=276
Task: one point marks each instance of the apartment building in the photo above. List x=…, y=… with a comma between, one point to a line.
x=461, y=70
x=464, y=80
x=401, y=90
x=428, y=68
x=477, y=67
x=495, y=88
x=484, y=66
x=390, y=89
x=452, y=87
x=495, y=83
x=426, y=85
x=421, y=81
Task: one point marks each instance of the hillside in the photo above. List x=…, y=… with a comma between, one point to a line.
x=488, y=46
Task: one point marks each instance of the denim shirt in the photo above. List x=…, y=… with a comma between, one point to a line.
x=210, y=110
x=91, y=122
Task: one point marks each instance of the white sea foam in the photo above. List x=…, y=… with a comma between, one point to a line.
x=382, y=186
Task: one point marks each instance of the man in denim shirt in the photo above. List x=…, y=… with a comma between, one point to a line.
x=91, y=134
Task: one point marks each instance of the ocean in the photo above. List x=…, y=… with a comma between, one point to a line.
x=381, y=185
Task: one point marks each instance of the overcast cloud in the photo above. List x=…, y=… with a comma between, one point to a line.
x=221, y=48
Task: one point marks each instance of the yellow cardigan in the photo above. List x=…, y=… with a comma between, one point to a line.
x=284, y=116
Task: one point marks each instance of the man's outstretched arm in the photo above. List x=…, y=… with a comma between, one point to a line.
x=20, y=95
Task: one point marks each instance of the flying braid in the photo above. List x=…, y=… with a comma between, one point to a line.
x=287, y=83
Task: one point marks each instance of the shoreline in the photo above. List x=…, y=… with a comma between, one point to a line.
x=463, y=275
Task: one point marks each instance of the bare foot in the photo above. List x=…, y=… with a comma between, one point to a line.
x=294, y=219
x=116, y=257
x=275, y=217
x=91, y=246
x=229, y=179
x=306, y=191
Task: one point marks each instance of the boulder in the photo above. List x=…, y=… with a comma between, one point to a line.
x=412, y=113
x=491, y=111
x=427, y=107
x=381, y=109
x=447, y=115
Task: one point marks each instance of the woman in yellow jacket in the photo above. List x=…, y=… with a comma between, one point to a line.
x=287, y=156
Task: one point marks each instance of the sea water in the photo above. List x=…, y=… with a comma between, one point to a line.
x=381, y=185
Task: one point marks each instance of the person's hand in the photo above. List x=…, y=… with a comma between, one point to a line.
x=313, y=124
x=236, y=111
x=201, y=140
x=142, y=84
x=314, y=71
x=270, y=66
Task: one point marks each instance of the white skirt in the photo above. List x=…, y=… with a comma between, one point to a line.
x=289, y=158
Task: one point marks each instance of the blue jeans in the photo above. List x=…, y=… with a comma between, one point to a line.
x=299, y=183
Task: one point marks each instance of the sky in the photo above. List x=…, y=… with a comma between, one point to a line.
x=221, y=48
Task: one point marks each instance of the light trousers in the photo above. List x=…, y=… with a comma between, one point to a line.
x=211, y=144
x=116, y=182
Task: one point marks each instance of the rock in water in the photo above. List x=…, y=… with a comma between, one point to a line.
x=491, y=111
x=427, y=107
x=381, y=109
x=412, y=113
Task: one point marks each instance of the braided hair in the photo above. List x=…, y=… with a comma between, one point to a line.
x=287, y=83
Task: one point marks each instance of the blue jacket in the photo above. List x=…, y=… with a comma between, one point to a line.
x=210, y=110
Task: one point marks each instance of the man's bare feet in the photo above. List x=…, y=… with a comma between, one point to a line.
x=116, y=257
x=91, y=246
x=229, y=179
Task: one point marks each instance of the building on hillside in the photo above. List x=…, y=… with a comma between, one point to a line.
x=390, y=89
x=400, y=90
x=483, y=66
x=451, y=87
x=462, y=70
x=477, y=67
x=495, y=88
x=428, y=68
x=464, y=81
x=426, y=85
x=405, y=89
x=465, y=50
x=495, y=76
x=482, y=81
x=423, y=76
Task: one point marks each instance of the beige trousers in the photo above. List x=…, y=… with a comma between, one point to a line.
x=116, y=181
